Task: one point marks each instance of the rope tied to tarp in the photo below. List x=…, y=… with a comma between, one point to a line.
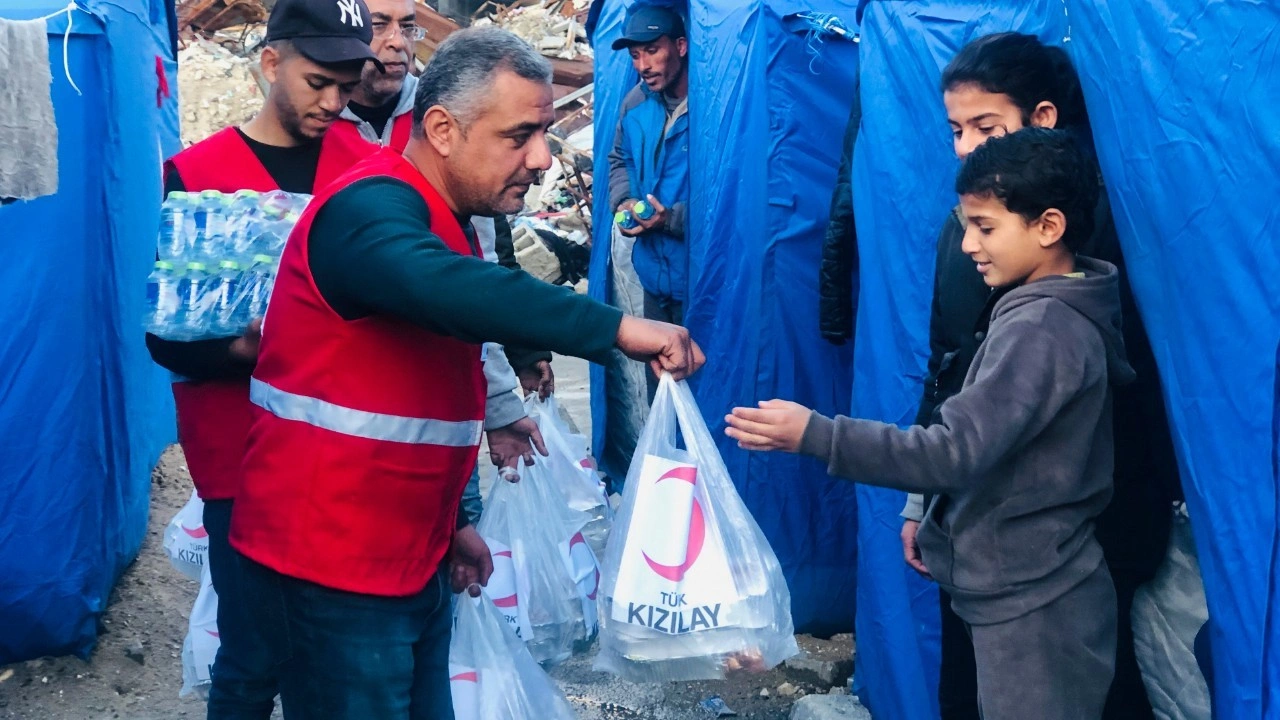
x=822, y=26
x=70, y=10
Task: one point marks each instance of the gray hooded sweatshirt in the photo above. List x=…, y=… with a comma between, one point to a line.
x=1021, y=458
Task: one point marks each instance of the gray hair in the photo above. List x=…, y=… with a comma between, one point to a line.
x=460, y=74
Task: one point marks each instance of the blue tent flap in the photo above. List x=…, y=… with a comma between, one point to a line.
x=85, y=413
x=1173, y=89
x=767, y=107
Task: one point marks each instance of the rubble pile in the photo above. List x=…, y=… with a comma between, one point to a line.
x=554, y=27
x=216, y=89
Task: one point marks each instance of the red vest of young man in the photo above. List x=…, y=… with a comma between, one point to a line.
x=400, y=129
x=364, y=433
x=213, y=416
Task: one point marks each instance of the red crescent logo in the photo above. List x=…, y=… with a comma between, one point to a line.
x=511, y=600
x=466, y=677
x=198, y=533
x=576, y=539
x=697, y=531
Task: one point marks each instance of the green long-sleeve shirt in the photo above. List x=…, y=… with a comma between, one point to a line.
x=388, y=261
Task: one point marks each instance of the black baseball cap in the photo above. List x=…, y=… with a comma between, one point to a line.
x=327, y=32
x=647, y=23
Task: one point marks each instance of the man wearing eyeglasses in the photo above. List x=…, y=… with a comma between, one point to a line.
x=381, y=107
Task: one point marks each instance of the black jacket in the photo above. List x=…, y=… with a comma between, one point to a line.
x=838, y=277
x=1134, y=530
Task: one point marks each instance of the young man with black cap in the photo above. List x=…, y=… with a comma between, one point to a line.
x=650, y=158
x=313, y=59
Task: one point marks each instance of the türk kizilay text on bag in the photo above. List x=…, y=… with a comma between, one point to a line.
x=655, y=586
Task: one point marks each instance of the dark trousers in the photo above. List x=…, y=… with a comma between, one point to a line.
x=243, y=676
x=348, y=656
x=663, y=310
x=1055, y=662
x=958, y=686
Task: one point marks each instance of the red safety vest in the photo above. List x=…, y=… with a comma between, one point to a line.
x=401, y=128
x=213, y=416
x=364, y=433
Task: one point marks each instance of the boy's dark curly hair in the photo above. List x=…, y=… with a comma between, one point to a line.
x=1032, y=170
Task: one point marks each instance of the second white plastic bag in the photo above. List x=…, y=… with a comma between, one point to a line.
x=572, y=470
x=491, y=674
x=186, y=541
x=691, y=588
x=202, y=642
x=543, y=569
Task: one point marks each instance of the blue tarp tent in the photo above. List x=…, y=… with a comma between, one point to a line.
x=85, y=414
x=766, y=110
x=1173, y=89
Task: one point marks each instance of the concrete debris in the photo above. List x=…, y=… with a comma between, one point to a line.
x=786, y=689
x=135, y=652
x=828, y=672
x=829, y=707
x=216, y=89
x=554, y=27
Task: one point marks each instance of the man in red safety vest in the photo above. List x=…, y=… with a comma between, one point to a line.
x=315, y=52
x=369, y=395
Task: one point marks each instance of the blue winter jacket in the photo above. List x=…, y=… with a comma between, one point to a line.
x=647, y=161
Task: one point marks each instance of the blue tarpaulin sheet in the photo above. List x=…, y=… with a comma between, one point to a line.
x=767, y=107
x=85, y=413
x=1172, y=89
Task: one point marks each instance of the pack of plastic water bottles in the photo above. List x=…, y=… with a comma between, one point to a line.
x=216, y=261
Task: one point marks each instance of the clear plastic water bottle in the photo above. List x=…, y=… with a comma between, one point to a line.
x=197, y=302
x=176, y=226
x=211, y=228
x=163, y=305
x=272, y=231
x=226, y=293
x=242, y=219
x=261, y=277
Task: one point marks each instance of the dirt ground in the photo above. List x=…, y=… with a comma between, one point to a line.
x=136, y=671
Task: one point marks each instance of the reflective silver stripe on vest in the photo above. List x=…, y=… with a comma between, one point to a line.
x=359, y=423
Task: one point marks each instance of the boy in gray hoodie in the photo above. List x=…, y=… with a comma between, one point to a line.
x=1020, y=462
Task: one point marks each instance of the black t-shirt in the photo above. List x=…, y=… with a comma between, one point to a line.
x=376, y=116
x=292, y=168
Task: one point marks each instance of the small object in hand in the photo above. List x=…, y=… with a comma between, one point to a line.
x=716, y=707
x=625, y=220
x=643, y=210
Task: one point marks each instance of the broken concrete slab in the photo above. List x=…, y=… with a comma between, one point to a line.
x=828, y=672
x=829, y=707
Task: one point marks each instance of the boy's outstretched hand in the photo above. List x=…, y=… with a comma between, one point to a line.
x=775, y=425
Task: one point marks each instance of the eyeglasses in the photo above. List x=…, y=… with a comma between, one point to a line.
x=409, y=31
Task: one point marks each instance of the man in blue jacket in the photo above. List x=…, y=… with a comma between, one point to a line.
x=650, y=158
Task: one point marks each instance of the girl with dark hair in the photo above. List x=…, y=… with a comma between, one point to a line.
x=996, y=85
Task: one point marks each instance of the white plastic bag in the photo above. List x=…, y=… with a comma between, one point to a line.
x=572, y=470
x=1167, y=614
x=690, y=587
x=491, y=673
x=201, y=644
x=186, y=541
x=535, y=584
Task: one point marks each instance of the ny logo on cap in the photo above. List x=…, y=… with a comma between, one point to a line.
x=349, y=8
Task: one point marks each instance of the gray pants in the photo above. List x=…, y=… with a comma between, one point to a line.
x=1055, y=663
